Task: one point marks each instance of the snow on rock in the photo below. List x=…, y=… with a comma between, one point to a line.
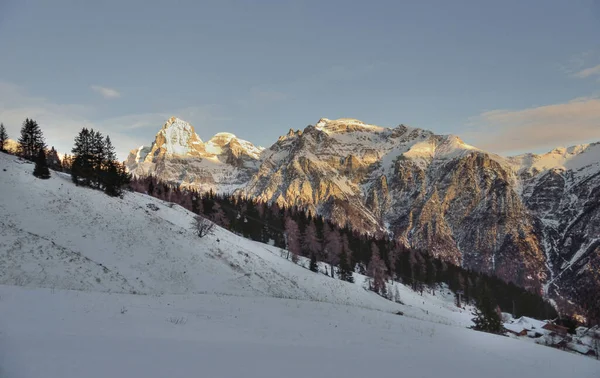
x=179, y=137
x=57, y=235
x=220, y=306
x=581, y=159
x=467, y=206
x=223, y=164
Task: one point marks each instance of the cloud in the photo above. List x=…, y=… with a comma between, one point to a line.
x=588, y=72
x=536, y=128
x=106, y=92
x=61, y=122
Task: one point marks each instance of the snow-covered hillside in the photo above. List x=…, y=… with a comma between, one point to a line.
x=97, y=286
x=60, y=236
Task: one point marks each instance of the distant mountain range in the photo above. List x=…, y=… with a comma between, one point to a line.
x=530, y=219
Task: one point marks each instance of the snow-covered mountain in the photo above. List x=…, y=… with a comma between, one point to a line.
x=530, y=219
x=224, y=163
x=96, y=286
x=561, y=189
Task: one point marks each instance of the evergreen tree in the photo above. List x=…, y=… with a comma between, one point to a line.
x=109, y=150
x=106, y=166
x=31, y=140
x=313, y=263
x=115, y=178
x=41, y=166
x=486, y=318
x=346, y=271
x=53, y=160
x=3, y=138
x=66, y=163
x=98, y=158
x=82, y=166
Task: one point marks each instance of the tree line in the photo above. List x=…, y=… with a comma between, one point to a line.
x=93, y=163
x=344, y=250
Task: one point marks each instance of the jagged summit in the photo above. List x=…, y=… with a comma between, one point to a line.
x=580, y=158
x=519, y=218
x=178, y=137
x=345, y=125
x=177, y=122
x=178, y=154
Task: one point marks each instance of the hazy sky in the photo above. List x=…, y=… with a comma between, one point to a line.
x=508, y=76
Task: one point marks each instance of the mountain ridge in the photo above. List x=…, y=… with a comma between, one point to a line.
x=518, y=217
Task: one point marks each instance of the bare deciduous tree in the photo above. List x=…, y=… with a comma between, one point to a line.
x=292, y=234
x=333, y=247
x=596, y=343
x=377, y=271
x=202, y=226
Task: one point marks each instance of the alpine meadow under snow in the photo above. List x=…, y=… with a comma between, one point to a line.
x=98, y=286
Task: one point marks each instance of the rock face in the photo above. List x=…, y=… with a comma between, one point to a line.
x=224, y=163
x=530, y=219
x=561, y=189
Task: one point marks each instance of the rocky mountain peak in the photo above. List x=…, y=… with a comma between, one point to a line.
x=178, y=154
x=221, y=139
x=178, y=138
x=527, y=219
x=344, y=125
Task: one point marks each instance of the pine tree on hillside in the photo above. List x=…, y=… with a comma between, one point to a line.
x=82, y=165
x=54, y=162
x=66, y=163
x=31, y=140
x=97, y=157
x=3, y=137
x=314, y=266
x=345, y=271
x=114, y=178
x=109, y=150
x=41, y=166
x=487, y=318
x=111, y=174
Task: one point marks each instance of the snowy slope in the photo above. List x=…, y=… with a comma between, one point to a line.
x=66, y=237
x=65, y=334
x=220, y=306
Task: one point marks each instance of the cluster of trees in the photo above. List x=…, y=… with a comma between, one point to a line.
x=344, y=250
x=3, y=138
x=32, y=146
x=93, y=163
x=488, y=317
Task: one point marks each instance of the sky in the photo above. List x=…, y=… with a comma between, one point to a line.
x=507, y=76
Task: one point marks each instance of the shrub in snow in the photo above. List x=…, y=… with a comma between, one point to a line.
x=202, y=226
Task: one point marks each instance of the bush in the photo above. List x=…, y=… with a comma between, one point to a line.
x=202, y=226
